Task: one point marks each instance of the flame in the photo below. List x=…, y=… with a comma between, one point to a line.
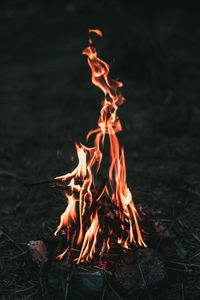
x=97, y=31
x=82, y=221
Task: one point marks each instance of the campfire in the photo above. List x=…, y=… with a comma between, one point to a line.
x=100, y=218
x=100, y=228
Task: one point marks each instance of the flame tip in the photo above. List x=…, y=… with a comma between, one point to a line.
x=97, y=31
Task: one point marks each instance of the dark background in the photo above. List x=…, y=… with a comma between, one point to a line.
x=47, y=102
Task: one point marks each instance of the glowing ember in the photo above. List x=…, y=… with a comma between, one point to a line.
x=97, y=220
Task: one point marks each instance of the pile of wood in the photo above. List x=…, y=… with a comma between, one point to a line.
x=111, y=227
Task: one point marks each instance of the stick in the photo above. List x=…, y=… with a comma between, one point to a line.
x=145, y=284
x=182, y=292
x=11, y=240
x=29, y=185
x=104, y=290
x=112, y=289
x=69, y=277
x=12, y=175
x=55, y=181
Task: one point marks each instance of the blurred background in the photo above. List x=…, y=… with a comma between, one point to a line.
x=47, y=102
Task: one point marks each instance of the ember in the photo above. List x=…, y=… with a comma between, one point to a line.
x=99, y=218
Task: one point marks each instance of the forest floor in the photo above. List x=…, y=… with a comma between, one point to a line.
x=48, y=103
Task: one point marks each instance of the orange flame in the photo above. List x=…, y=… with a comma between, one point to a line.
x=81, y=219
x=97, y=31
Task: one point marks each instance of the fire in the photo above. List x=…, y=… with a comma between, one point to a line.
x=98, y=219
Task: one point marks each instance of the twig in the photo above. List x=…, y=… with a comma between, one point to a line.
x=69, y=277
x=144, y=281
x=104, y=290
x=103, y=268
x=112, y=289
x=29, y=185
x=24, y=290
x=16, y=256
x=182, y=224
x=31, y=295
x=84, y=269
x=195, y=255
x=12, y=175
x=178, y=270
x=182, y=292
x=11, y=240
x=185, y=264
x=195, y=237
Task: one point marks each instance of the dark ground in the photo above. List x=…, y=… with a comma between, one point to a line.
x=48, y=102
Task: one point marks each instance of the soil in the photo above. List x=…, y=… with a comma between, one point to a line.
x=47, y=102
